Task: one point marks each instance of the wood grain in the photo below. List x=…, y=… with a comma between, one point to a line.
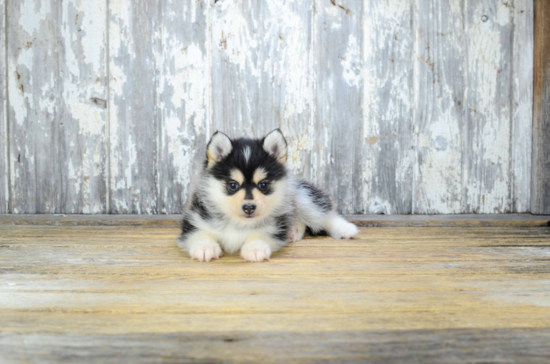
x=240, y=87
x=438, y=112
x=89, y=291
x=487, y=107
x=184, y=97
x=540, y=187
x=56, y=84
x=339, y=95
x=261, y=77
x=133, y=120
x=34, y=133
x=4, y=129
x=394, y=107
x=388, y=44
x=295, y=82
x=522, y=104
x=160, y=94
x=82, y=117
x=406, y=346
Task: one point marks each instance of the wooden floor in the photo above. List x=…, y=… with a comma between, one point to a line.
x=113, y=294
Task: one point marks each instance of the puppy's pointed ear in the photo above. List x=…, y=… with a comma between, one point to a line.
x=275, y=145
x=218, y=148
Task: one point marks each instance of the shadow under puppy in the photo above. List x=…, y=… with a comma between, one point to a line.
x=245, y=199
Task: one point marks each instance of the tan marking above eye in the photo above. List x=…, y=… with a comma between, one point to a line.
x=259, y=175
x=237, y=176
x=238, y=197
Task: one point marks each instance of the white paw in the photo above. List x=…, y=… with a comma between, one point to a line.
x=297, y=232
x=256, y=251
x=344, y=230
x=292, y=235
x=205, y=250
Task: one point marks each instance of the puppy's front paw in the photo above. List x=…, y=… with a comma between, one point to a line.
x=344, y=230
x=256, y=251
x=205, y=250
x=297, y=232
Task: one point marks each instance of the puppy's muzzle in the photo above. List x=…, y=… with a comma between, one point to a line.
x=249, y=208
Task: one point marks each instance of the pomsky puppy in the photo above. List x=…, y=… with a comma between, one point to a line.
x=245, y=199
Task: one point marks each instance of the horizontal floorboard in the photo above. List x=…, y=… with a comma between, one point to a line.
x=401, y=294
x=407, y=346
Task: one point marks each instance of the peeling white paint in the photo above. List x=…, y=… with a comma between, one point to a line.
x=93, y=32
x=438, y=124
x=21, y=99
x=4, y=134
x=352, y=63
x=296, y=146
x=380, y=206
x=522, y=120
x=32, y=14
x=387, y=106
x=262, y=64
x=233, y=37
x=487, y=176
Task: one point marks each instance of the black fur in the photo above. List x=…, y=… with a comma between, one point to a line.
x=186, y=227
x=258, y=158
x=283, y=228
x=207, y=207
x=318, y=197
x=310, y=232
x=198, y=207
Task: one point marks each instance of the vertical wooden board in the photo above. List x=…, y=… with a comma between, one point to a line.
x=133, y=122
x=487, y=153
x=522, y=105
x=338, y=163
x=82, y=108
x=56, y=60
x=261, y=61
x=183, y=94
x=33, y=87
x=438, y=98
x=387, y=106
x=289, y=79
x=4, y=150
x=238, y=56
x=540, y=190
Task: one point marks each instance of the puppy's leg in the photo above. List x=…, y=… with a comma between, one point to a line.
x=259, y=246
x=201, y=246
x=256, y=250
x=298, y=231
x=338, y=227
x=315, y=208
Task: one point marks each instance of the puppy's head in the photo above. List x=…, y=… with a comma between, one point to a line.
x=246, y=177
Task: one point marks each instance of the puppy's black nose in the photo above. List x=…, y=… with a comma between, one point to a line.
x=249, y=208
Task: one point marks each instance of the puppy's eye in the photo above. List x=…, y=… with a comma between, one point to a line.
x=263, y=185
x=232, y=186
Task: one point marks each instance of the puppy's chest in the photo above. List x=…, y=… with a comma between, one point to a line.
x=232, y=238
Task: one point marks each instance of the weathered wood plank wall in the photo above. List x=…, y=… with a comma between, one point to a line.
x=133, y=105
x=56, y=60
x=388, y=41
x=540, y=202
x=4, y=149
x=487, y=106
x=401, y=106
x=159, y=97
x=522, y=104
x=438, y=98
x=339, y=93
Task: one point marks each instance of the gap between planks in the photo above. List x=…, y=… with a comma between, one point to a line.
x=461, y=220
